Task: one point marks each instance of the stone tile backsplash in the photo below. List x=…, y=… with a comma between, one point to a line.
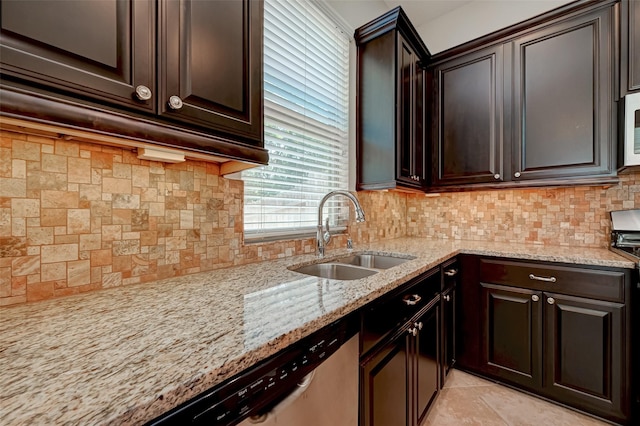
x=77, y=217
x=557, y=216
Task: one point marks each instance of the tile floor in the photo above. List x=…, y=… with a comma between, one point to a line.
x=469, y=400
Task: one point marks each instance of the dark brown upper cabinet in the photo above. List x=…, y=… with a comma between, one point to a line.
x=630, y=51
x=210, y=65
x=391, y=105
x=467, y=142
x=563, y=99
x=175, y=73
x=102, y=50
x=532, y=105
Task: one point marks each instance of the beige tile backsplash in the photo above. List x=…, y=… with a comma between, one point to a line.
x=77, y=217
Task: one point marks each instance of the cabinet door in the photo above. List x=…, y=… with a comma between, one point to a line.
x=211, y=65
x=584, y=354
x=427, y=361
x=563, y=100
x=467, y=119
x=410, y=151
x=448, y=331
x=512, y=334
x=630, y=60
x=384, y=396
x=101, y=50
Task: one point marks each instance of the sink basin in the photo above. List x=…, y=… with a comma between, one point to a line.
x=335, y=271
x=375, y=261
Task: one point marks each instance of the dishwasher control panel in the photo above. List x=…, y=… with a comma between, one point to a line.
x=261, y=387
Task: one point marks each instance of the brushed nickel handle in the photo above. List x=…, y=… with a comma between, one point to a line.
x=143, y=93
x=411, y=299
x=447, y=298
x=517, y=174
x=413, y=331
x=545, y=279
x=175, y=102
x=451, y=272
x=551, y=300
x=418, y=325
x=535, y=298
x=496, y=176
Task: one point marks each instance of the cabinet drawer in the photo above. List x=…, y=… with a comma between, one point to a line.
x=384, y=317
x=576, y=281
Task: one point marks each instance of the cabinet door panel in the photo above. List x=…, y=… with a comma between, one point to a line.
x=384, y=395
x=634, y=45
x=468, y=112
x=630, y=60
x=406, y=74
x=583, y=352
x=211, y=59
x=564, y=102
x=97, y=49
x=427, y=362
x=512, y=334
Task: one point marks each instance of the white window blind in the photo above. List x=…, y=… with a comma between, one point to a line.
x=306, y=90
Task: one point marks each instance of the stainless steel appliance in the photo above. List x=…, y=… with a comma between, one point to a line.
x=625, y=240
x=625, y=234
x=630, y=152
x=260, y=390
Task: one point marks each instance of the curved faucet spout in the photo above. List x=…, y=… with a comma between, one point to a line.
x=323, y=237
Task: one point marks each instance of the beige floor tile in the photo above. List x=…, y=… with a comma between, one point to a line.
x=470, y=400
x=517, y=408
x=460, y=379
x=463, y=406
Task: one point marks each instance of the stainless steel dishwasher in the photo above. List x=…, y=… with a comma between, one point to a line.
x=269, y=393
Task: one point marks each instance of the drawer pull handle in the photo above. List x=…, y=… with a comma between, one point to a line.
x=545, y=279
x=411, y=299
x=451, y=272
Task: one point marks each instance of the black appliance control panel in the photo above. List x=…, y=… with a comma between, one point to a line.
x=261, y=387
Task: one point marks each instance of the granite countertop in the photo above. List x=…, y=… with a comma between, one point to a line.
x=128, y=354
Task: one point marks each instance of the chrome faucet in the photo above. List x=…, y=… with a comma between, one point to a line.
x=323, y=237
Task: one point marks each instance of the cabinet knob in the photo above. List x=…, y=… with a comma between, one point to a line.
x=143, y=93
x=551, y=300
x=447, y=298
x=535, y=298
x=413, y=331
x=411, y=299
x=496, y=176
x=418, y=325
x=175, y=102
x=451, y=272
x=516, y=174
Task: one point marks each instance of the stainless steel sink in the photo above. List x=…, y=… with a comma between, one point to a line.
x=335, y=271
x=352, y=267
x=375, y=261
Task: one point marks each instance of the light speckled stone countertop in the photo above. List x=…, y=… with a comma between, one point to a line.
x=126, y=355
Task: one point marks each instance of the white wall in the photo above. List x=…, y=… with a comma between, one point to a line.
x=479, y=18
x=467, y=22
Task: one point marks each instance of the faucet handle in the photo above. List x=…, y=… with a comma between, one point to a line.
x=327, y=234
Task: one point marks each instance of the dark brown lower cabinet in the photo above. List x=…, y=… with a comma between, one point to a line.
x=401, y=379
x=512, y=334
x=560, y=331
x=583, y=343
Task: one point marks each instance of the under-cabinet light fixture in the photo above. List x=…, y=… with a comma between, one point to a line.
x=163, y=155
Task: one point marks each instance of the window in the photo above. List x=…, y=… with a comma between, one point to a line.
x=306, y=90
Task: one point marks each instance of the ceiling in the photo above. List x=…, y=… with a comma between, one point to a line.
x=422, y=11
x=443, y=24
